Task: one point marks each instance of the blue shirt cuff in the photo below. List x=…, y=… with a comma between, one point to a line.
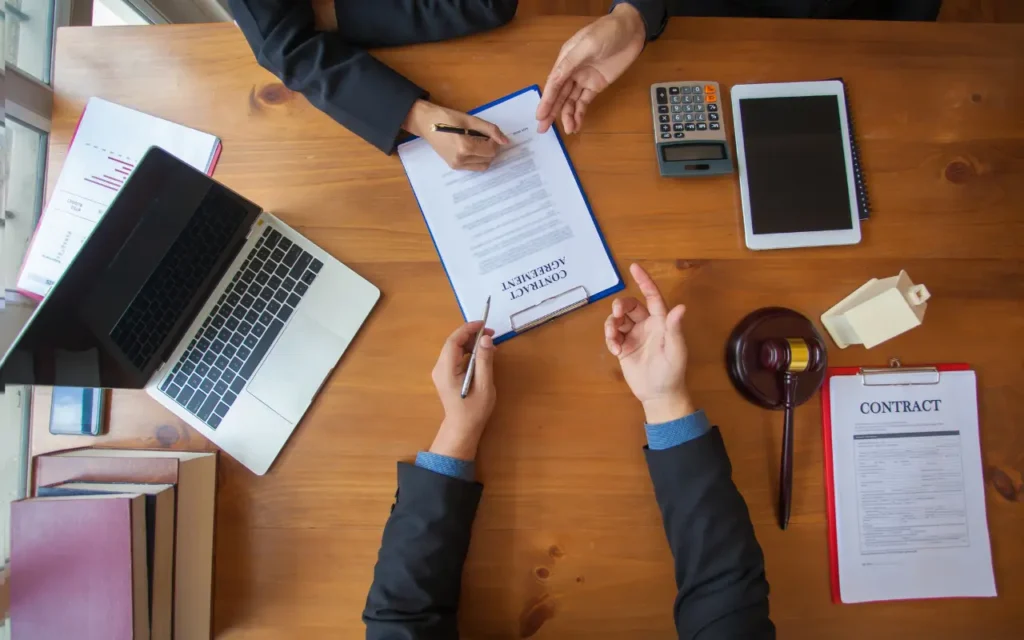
x=666, y=435
x=446, y=465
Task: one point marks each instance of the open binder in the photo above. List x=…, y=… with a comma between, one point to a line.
x=530, y=158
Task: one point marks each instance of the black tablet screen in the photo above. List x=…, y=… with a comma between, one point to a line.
x=796, y=164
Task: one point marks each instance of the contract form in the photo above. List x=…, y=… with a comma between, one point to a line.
x=908, y=487
x=521, y=232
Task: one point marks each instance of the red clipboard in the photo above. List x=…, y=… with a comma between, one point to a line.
x=826, y=428
x=31, y=243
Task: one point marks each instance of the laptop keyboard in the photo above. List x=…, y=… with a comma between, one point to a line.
x=241, y=328
x=146, y=323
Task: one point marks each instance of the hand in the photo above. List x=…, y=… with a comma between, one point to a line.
x=590, y=61
x=464, y=418
x=460, y=152
x=648, y=341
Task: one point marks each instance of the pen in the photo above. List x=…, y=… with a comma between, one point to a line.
x=447, y=128
x=472, y=356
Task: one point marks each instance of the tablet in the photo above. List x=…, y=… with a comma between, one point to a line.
x=795, y=165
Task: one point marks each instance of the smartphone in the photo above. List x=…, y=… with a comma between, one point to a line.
x=77, y=411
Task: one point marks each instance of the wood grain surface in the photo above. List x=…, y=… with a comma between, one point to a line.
x=568, y=541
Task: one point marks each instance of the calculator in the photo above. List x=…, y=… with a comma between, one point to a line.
x=689, y=132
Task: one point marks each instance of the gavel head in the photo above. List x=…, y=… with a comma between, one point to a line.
x=792, y=355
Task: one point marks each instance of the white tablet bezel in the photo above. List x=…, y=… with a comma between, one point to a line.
x=802, y=238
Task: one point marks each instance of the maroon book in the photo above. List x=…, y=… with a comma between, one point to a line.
x=78, y=568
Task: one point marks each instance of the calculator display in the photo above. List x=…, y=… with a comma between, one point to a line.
x=684, y=152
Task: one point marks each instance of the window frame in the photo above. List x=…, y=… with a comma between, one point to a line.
x=29, y=102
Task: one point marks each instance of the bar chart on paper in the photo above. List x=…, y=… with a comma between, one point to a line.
x=114, y=174
x=109, y=142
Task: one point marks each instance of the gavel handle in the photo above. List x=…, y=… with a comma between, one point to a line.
x=786, y=464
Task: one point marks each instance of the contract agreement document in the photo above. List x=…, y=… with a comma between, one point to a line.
x=521, y=232
x=909, y=496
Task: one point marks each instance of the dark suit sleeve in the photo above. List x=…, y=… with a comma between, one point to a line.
x=719, y=566
x=653, y=12
x=418, y=577
x=334, y=71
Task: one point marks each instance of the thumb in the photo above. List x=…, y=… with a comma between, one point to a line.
x=484, y=374
x=490, y=129
x=674, y=328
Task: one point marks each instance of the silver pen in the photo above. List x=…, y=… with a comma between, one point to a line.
x=468, y=381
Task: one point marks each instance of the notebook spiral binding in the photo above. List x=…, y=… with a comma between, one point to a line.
x=863, y=202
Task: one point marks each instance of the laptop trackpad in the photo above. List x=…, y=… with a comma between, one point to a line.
x=296, y=366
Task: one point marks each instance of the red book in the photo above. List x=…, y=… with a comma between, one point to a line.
x=195, y=477
x=78, y=568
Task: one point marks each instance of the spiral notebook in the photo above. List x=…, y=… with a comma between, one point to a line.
x=863, y=203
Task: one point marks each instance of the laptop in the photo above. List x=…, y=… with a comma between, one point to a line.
x=224, y=314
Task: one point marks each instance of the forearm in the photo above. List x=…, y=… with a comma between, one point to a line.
x=719, y=567
x=418, y=576
x=342, y=80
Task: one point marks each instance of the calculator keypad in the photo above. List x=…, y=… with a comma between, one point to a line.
x=685, y=110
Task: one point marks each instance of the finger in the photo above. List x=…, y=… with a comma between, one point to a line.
x=470, y=158
x=586, y=97
x=548, y=97
x=655, y=303
x=489, y=128
x=483, y=376
x=471, y=146
x=630, y=307
x=674, y=326
x=569, y=110
x=552, y=88
x=474, y=166
x=612, y=327
x=559, y=101
x=456, y=345
x=612, y=338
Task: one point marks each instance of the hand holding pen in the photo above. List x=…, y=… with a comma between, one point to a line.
x=471, y=151
x=465, y=417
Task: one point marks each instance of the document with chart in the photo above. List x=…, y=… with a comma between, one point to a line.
x=521, y=232
x=108, y=142
x=906, y=487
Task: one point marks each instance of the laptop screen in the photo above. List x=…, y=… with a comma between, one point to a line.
x=135, y=285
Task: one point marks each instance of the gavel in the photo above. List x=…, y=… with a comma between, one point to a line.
x=776, y=359
x=789, y=357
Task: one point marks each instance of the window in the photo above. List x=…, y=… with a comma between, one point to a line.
x=27, y=29
x=28, y=36
x=115, y=13
x=25, y=155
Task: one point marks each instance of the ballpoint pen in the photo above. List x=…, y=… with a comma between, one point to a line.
x=447, y=128
x=468, y=381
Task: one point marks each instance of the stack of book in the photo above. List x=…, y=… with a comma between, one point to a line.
x=115, y=545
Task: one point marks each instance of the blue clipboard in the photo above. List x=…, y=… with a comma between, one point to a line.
x=590, y=298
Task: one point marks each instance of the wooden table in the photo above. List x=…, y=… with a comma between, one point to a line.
x=568, y=542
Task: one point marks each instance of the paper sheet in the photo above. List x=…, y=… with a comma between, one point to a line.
x=109, y=141
x=521, y=231
x=909, y=490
